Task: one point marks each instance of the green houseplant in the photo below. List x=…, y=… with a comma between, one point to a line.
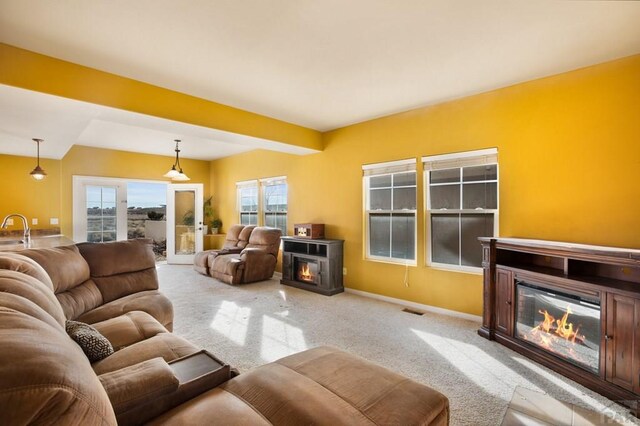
x=207, y=213
x=216, y=224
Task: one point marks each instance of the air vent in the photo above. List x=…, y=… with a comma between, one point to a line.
x=411, y=311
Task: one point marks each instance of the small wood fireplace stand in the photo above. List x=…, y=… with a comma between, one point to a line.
x=326, y=257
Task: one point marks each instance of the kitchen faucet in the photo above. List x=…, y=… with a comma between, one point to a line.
x=25, y=224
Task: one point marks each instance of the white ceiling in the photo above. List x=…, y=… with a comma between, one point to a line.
x=326, y=63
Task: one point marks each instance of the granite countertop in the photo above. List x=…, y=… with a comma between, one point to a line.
x=14, y=244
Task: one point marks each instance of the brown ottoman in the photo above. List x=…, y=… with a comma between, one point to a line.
x=321, y=386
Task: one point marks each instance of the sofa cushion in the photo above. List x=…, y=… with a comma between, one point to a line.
x=229, y=411
x=127, y=329
x=69, y=273
x=66, y=267
x=121, y=268
x=46, y=379
x=245, y=235
x=265, y=238
x=94, y=345
x=233, y=236
x=152, y=302
x=26, y=265
x=34, y=291
x=165, y=345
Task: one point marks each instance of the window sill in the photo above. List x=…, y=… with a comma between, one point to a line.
x=456, y=268
x=399, y=262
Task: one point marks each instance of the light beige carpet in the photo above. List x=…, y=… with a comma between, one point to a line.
x=253, y=324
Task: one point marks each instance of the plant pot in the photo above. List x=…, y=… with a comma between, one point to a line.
x=215, y=230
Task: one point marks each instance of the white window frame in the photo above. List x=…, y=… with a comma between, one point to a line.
x=264, y=183
x=458, y=161
x=385, y=169
x=239, y=187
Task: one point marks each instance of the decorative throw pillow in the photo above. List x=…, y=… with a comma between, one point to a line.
x=93, y=344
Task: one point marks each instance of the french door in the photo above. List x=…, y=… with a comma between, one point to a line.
x=184, y=222
x=100, y=209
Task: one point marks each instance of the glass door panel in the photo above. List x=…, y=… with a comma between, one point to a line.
x=184, y=217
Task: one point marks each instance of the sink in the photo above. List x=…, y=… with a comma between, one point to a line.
x=10, y=242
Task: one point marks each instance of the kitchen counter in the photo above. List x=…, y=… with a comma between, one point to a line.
x=14, y=244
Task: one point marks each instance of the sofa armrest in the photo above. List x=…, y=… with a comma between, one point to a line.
x=139, y=384
x=258, y=264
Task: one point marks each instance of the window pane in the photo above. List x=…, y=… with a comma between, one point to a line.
x=379, y=234
x=380, y=181
x=94, y=195
x=445, y=242
x=403, y=236
x=445, y=197
x=94, y=211
x=94, y=224
x=275, y=197
x=489, y=172
x=249, y=218
x=94, y=237
x=108, y=194
x=380, y=199
x=108, y=236
x=404, y=198
x=109, y=224
x=404, y=179
x=474, y=226
x=444, y=176
x=480, y=195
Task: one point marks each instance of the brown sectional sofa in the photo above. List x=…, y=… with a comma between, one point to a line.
x=45, y=377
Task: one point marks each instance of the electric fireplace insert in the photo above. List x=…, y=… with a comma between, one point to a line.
x=566, y=325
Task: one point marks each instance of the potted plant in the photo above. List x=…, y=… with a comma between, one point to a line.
x=207, y=213
x=216, y=224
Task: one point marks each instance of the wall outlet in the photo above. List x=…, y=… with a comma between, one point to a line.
x=9, y=222
x=53, y=221
x=344, y=271
x=34, y=221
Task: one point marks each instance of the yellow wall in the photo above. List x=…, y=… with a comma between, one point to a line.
x=569, y=154
x=87, y=161
x=32, y=71
x=20, y=193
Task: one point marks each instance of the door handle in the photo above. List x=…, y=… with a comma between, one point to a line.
x=608, y=337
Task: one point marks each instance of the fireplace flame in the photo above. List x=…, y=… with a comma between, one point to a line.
x=305, y=273
x=550, y=329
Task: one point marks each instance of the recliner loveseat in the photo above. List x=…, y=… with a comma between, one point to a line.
x=250, y=254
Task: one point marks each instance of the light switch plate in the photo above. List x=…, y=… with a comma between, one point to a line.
x=53, y=221
x=34, y=221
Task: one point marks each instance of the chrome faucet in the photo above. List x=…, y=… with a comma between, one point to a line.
x=25, y=224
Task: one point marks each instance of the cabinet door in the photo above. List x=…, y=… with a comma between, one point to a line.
x=621, y=341
x=504, y=301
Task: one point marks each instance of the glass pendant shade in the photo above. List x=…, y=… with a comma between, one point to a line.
x=174, y=174
x=38, y=173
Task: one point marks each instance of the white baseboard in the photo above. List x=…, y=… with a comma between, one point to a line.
x=415, y=305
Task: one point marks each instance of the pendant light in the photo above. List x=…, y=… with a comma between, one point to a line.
x=38, y=173
x=176, y=173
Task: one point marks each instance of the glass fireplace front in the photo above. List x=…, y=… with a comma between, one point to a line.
x=568, y=326
x=306, y=270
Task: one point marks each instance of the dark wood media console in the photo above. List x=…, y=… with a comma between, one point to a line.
x=313, y=264
x=598, y=291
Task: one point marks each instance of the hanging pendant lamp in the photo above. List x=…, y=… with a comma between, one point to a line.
x=176, y=173
x=38, y=173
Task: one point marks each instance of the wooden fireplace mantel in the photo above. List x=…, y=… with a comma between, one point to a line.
x=610, y=275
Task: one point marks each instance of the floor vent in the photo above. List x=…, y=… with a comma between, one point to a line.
x=411, y=311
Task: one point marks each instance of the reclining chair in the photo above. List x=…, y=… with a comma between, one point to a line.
x=256, y=262
x=237, y=239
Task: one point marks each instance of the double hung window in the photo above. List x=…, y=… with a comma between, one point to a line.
x=390, y=209
x=274, y=193
x=462, y=205
x=263, y=202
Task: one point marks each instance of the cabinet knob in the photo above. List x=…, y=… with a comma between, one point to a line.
x=608, y=337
